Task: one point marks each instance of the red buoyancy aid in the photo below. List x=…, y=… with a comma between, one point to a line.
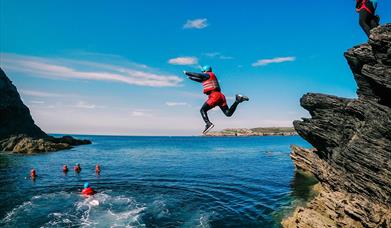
x=88, y=191
x=364, y=4
x=211, y=84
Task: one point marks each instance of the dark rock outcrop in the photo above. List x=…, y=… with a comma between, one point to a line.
x=18, y=132
x=352, y=137
x=15, y=117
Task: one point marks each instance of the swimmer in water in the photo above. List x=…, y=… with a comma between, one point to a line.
x=65, y=169
x=33, y=174
x=97, y=169
x=87, y=190
x=77, y=168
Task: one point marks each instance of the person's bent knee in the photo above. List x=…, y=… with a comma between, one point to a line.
x=227, y=113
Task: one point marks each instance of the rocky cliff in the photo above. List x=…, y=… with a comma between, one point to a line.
x=18, y=132
x=15, y=117
x=352, y=140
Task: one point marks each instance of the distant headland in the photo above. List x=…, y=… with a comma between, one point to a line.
x=259, y=131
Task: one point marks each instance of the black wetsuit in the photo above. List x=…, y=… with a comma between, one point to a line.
x=367, y=19
x=205, y=107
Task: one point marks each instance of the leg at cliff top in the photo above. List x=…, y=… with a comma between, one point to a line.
x=230, y=111
x=367, y=21
x=205, y=108
x=374, y=21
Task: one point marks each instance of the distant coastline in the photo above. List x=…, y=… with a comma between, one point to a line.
x=259, y=131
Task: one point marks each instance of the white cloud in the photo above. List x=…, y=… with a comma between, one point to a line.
x=218, y=55
x=137, y=113
x=212, y=54
x=196, y=24
x=176, y=103
x=264, y=62
x=185, y=60
x=224, y=57
x=132, y=74
x=140, y=113
x=39, y=93
x=37, y=102
x=82, y=104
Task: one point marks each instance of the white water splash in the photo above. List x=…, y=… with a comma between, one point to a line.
x=75, y=210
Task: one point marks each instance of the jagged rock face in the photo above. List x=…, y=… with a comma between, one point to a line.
x=354, y=135
x=15, y=117
x=352, y=138
x=370, y=64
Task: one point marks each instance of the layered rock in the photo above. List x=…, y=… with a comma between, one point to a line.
x=352, y=137
x=18, y=132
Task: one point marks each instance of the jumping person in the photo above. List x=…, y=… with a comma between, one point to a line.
x=367, y=18
x=215, y=97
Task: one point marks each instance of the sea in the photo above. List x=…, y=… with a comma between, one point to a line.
x=156, y=182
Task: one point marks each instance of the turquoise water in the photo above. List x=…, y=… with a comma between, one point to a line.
x=154, y=182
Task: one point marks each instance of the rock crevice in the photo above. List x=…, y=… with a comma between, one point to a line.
x=352, y=140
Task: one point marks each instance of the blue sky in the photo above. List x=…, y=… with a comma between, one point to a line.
x=104, y=67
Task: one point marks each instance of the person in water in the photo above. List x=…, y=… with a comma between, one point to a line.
x=77, y=168
x=33, y=174
x=215, y=97
x=97, y=169
x=367, y=18
x=65, y=169
x=87, y=190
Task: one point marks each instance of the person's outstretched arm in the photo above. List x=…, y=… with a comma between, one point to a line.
x=197, y=76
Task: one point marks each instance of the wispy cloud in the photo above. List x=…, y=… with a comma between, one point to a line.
x=231, y=98
x=82, y=104
x=37, y=102
x=169, y=103
x=264, y=62
x=140, y=113
x=184, y=60
x=133, y=74
x=196, y=24
x=218, y=55
x=33, y=93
